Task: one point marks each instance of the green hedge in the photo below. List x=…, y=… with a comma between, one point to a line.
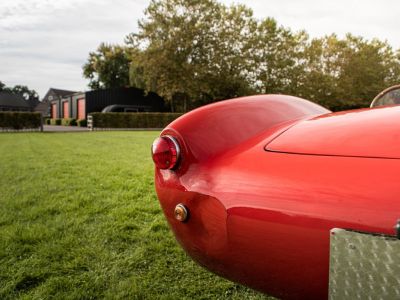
x=64, y=122
x=69, y=122
x=55, y=121
x=347, y=105
x=81, y=122
x=133, y=120
x=20, y=120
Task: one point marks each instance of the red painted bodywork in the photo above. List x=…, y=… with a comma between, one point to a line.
x=265, y=178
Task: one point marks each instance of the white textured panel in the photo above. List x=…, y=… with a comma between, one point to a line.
x=363, y=266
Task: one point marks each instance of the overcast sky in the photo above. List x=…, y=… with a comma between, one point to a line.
x=44, y=43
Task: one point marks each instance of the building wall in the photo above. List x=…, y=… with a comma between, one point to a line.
x=66, y=108
x=59, y=104
x=13, y=102
x=55, y=104
x=14, y=108
x=53, y=110
x=99, y=99
x=96, y=101
x=74, y=104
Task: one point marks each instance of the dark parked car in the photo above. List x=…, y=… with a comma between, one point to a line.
x=124, y=108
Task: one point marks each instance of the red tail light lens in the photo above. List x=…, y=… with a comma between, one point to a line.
x=165, y=152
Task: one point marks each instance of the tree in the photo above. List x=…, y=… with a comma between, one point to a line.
x=25, y=92
x=347, y=73
x=194, y=50
x=108, y=67
x=4, y=88
x=278, y=55
x=22, y=90
x=368, y=67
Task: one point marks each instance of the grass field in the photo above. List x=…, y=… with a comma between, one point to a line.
x=79, y=219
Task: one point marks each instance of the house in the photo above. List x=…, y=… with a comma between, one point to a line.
x=52, y=94
x=13, y=102
x=79, y=105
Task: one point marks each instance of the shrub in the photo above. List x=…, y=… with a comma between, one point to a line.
x=133, y=120
x=68, y=122
x=20, y=120
x=342, y=105
x=81, y=122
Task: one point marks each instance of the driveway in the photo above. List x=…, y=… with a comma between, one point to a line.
x=53, y=128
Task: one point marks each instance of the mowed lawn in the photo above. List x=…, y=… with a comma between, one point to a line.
x=79, y=219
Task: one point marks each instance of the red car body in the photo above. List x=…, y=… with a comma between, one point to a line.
x=265, y=179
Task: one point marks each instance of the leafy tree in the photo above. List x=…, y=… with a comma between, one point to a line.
x=322, y=67
x=107, y=67
x=4, y=88
x=194, y=50
x=22, y=90
x=347, y=73
x=278, y=55
x=25, y=92
x=368, y=67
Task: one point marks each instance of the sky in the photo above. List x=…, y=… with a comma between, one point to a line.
x=44, y=43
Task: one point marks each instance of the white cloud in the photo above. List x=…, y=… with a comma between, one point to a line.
x=44, y=43
x=368, y=18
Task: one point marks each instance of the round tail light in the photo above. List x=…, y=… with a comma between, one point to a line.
x=165, y=152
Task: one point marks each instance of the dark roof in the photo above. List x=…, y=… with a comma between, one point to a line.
x=63, y=93
x=33, y=102
x=12, y=100
x=58, y=93
x=42, y=107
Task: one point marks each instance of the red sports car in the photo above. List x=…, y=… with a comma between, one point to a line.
x=279, y=194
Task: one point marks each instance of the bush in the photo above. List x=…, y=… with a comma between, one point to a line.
x=47, y=121
x=68, y=122
x=133, y=120
x=55, y=121
x=20, y=120
x=81, y=122
x=342, y=105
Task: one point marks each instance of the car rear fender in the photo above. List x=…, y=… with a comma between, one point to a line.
x=208, y=131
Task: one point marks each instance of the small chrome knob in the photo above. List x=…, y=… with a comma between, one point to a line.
x=181, y=213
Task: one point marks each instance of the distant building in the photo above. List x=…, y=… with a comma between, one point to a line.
x=79, y=105
x=52, y=94
x=12, y=102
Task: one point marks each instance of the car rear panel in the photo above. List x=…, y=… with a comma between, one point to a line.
x=360, y=133
x=263, y=218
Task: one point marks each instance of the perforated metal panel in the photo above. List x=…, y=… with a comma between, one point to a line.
x=363, y=266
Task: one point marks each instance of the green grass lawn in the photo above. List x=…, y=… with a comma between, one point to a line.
x=79, y=219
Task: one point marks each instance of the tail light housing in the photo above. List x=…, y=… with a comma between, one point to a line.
x=165, y=152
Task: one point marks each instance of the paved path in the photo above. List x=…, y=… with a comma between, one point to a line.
x=53, y=128
x=59, y=128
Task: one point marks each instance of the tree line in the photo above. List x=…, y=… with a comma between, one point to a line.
x=22, y=90
x=194, y=52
